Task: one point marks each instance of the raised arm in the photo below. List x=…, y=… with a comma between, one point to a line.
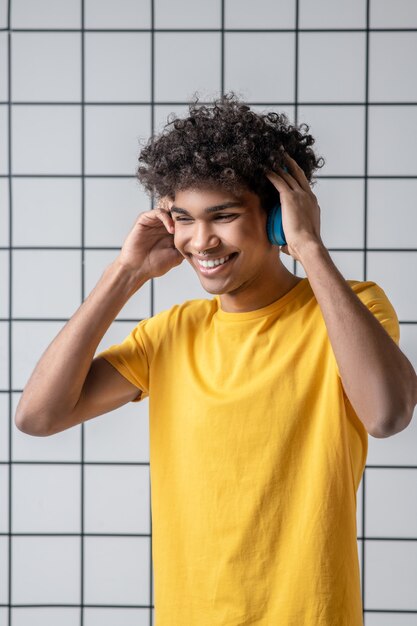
x=68, y=386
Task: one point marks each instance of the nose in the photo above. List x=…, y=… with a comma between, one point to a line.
x=203, y=237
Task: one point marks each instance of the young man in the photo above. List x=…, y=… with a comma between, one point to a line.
x=261, y=398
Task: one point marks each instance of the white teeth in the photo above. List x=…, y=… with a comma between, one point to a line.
x=213, y=263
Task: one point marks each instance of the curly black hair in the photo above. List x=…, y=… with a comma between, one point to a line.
x=224, y=145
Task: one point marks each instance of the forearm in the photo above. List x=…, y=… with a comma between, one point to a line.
x=378, y=379
x=57, y=380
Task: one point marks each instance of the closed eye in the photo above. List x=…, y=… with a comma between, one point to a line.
x=186, y=219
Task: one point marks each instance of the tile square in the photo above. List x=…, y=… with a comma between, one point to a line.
x=46, y=570
x=359, y=509
x=391, y=502
x=401, y=14
x=4, y=144
x=54, y=144
x=397, y=450
x=391, y=63
x=112, y=206
x=96, y=261
x=121, y=435
x=332, y=14
x=349, y=264
x=4, y=355
x=179, y=284
x=408, y=342
x=246, y=53
x=389, y=228
x=46, y=500
x=4, y=427
x=46, y=283
x=198, y=56
x=117, y=67
x=115, y=333
x=46, y=14
x=111, y=616
x=4, y=11
x=4, y=283
x=29, y=341
x=46, y=211
x=4, y=212
x=339, y=133
x=49, y=616
x=262, y=14
x=64, y=446
x=187, y=14
x=4, y=570
x=4, y=67
x=55, y=67
x=4, y=498
x=339, y=67
x=393, y=271
x=385, y=619
x=391, y=575
x=112, y=138
x=342, y=217
x=117, y=14
x=116, y=570
x=391, y=153
x=117, y=499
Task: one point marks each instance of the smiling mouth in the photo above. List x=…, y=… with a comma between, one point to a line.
x=215, y=269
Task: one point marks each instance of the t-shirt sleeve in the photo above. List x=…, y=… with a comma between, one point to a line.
x=130, y=359
x=377, y=302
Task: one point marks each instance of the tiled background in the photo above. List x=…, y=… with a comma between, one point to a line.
x=81, y=82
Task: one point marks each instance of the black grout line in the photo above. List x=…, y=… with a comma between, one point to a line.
x=295, y=265
x=161, y=103
x=212, y=30
x=10, y=346
x=365, y=270
x=152, y=300
x=82, y=475
x=318, y=177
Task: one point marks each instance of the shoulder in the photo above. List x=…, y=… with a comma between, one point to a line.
x=367, y=290
x=189, y=313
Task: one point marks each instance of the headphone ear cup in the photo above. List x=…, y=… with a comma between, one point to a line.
x=274, y=228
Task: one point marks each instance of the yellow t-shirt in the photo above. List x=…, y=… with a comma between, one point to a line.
x=255, y=459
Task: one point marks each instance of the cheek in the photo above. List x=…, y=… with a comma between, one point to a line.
x=178, y=240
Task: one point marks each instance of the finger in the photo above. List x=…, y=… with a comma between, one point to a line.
x=297, y=172
x=166, y=219
x=278, y=181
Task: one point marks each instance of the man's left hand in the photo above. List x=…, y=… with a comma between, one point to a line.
x=299, y=207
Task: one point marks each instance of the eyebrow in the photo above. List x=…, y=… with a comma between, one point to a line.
x=210, y=209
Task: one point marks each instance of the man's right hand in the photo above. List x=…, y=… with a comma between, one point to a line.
x=149, y=247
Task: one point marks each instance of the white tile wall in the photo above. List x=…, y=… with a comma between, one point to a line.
x=195, y=65
x=117, y=14
x=46, y=211
x=45, y=14
x=4, y=61
x=187, y=14
x=339, y=67
x=53, y=206
x=55, y=139
x=117, y=67
x=258, y=66
x=55, y=67
x=112, y=134
x=261, y=14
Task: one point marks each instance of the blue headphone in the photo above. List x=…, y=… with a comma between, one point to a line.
x=274, y=228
